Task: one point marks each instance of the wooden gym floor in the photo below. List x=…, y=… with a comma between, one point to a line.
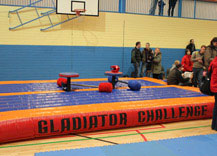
x=111, y=137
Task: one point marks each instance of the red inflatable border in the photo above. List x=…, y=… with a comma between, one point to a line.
x=37, y=127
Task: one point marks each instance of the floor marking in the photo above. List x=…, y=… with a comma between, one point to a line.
x=96, y=139
x=145, y=139
x=115, y=136
x=161, y=126
x=98, y=133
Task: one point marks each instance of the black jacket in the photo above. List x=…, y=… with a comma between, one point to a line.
x=175, y=77
x=147, y=56
x=136, y=55
x=191, y=47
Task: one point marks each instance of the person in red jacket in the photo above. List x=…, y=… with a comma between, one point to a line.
x=213, y=88
x=186, y=61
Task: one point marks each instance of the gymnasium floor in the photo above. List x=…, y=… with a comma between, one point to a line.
x=111, y=137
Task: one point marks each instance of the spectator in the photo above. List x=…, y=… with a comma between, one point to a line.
x=153, y=7
x=175, y=64
x=172, y=5
x=156, y=66
x=176, y=77
x=147, y=58
x=191, y=46
x=136, y=58
x=161, y=5
x=213, y=88
x=186, y=61
x=198, y=65
x=162, y=74
x=211, y=52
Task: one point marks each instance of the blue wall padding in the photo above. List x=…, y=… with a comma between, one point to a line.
x=189, y=146
x=25, y=62
x=20, y=102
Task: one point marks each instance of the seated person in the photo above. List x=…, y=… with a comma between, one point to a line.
x=174, y=65
x=176, y=77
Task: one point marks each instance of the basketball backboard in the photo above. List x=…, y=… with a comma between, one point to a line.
x=69, y=7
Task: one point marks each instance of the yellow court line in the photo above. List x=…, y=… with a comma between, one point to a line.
x=102, y=107
x=61, y=91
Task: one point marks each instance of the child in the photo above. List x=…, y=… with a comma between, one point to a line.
x=186, y=61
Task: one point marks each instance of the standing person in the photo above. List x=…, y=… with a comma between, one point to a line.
x=191, y=46
x=156, y=66
x=198, y=65
x=172, y=5
x=186, y=61
x=136, y=58
x=162, y=74
x=153, y=7
x=161, y=5
x=211, y=52
x=213, y=88
x=147, y=57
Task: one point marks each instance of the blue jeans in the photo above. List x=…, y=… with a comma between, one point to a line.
x=136, y=67
x=148, y=73
x=198, y=75
x=143, y=69
x=153, y=7
x=161, y=11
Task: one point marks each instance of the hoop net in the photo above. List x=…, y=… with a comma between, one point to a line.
x=78, y=11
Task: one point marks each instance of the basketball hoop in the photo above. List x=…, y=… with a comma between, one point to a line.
x=78, y=11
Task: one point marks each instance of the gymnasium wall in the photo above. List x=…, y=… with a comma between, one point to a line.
x=89, y=45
